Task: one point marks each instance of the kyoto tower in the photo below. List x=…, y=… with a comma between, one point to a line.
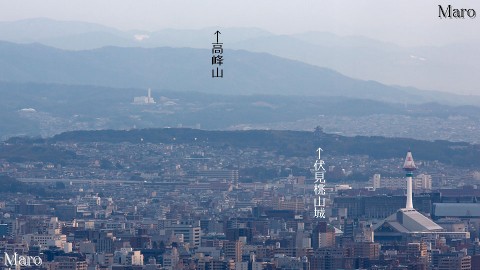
x=409, y=167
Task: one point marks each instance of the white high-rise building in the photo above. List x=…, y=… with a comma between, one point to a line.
x=190, y=232
x=423, y=181
x=128, y=256
x=376, y=180
x=419, y=182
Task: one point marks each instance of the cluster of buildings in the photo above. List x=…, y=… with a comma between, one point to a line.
x=420, y=182
x=427, y=127
x=142, y=100
x=181, y=161
x=177, y=210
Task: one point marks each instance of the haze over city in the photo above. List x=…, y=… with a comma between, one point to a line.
x=337, y=135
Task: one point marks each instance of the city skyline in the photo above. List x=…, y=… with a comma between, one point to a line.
x=122, y=149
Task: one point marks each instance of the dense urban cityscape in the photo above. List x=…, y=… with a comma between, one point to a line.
x=206, y=206
x=239, y=135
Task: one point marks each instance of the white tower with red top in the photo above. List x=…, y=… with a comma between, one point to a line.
x=409, y=167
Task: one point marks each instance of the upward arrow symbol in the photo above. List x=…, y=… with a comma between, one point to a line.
x=217, y=33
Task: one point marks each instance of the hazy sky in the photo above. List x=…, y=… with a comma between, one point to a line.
x=406, y=22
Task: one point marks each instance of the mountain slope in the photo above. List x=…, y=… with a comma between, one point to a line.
x=185, y=69
x=432, y=67
x=449, y=68
x=40, y=29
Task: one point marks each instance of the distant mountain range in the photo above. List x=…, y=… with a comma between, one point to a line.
x=46, y=90
x=186, y=69
x=74, y=35
x=446, y=68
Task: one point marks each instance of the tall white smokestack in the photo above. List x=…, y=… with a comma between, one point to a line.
x=149, y=94
x=409, y=167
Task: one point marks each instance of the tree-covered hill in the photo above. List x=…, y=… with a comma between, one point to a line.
x=288, y=143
